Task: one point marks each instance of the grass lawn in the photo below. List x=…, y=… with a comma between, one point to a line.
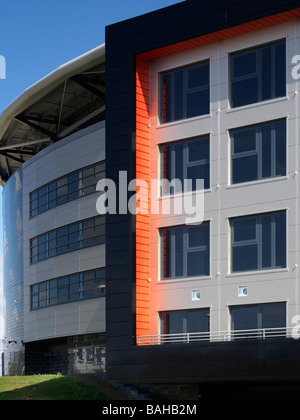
x=46, y=387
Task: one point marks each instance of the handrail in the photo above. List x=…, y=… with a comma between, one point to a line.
x=231, y=335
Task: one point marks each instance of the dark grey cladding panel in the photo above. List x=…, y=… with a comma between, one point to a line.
x=184, y=21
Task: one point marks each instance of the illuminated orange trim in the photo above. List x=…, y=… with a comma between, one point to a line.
x=142, y=220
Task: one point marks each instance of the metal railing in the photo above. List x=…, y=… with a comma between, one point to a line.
x=215, y=336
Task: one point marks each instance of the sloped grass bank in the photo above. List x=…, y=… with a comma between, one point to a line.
x=47, y=387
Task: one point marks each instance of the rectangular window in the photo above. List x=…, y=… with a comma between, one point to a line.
x=70, y=288
x=185, y=160
x=258, y=242
x=184, y=92
x=257, y=317
x=185, y=251
x=67, y=188
x=258, y=152
x=68, y=238
x=185, y=321
x=258, y=74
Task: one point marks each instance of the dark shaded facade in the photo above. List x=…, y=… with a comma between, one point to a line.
x=150, y=36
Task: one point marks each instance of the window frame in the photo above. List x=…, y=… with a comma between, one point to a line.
x=49, y=193
x=58, y=241
x=50, y=286
x=257, y=241
x=259, y=317
x=258, y=151
x=186, y=163
x=258, y=72
x=184, y=312
x=186, y=250
x=185, y=92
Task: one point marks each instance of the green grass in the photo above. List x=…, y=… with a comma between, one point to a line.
x=46, y=387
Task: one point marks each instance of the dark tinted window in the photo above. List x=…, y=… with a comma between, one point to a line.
x=185, y=251
x=258, y=152
x=186, y=160
x=67, y=188
x=188, y=321
x=185, y=92
x=258, y=242
x=258, y=74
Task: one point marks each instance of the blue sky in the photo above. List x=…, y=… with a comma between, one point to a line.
x=38, y=36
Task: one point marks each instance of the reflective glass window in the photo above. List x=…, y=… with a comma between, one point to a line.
x=185, y=160
x=185, y=251
x=185, y=92
x=70, y=288
x=258, y=74
x=67, y=188
x=258, y=152
x=258, y=242
x=68, y=238
x=185, y=321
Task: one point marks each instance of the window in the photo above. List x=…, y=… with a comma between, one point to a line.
x=70, y=288
x=258, y=74
x=67, y=188
x=188, y=159
x=185, y=321
x=258, y=152
x=258, y=242
x=260, y=316
x=68, y=238
x=184, y=93
x=185, y=251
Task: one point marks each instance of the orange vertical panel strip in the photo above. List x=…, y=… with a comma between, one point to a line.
x=142, y=220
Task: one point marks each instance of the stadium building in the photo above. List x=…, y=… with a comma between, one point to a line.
x=52, y=155
x=192, y=91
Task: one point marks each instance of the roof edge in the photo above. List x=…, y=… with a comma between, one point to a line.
x=39, y=89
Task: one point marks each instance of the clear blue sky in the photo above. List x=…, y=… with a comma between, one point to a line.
x=38, y=36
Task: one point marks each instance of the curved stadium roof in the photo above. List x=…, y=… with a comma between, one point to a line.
x=70, y=98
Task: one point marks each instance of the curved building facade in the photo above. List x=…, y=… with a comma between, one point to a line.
x=54, y=239
x=13, y=271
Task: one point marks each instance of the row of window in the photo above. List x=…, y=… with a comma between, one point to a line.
x=256, y=74
x=243, y=317
x=70, y=288
x=67, y=188
x=258, y=242
x=257, y=152
x=78, y=235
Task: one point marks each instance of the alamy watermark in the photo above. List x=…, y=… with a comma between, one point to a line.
x=296, y=68
x=2, y=67
x=146, y=199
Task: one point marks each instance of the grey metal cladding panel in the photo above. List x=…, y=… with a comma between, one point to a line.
x=13, y=276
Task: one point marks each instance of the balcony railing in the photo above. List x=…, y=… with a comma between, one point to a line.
x=216, y=336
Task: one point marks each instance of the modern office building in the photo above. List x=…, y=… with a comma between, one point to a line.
x=192, y=91
x=205, y=90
